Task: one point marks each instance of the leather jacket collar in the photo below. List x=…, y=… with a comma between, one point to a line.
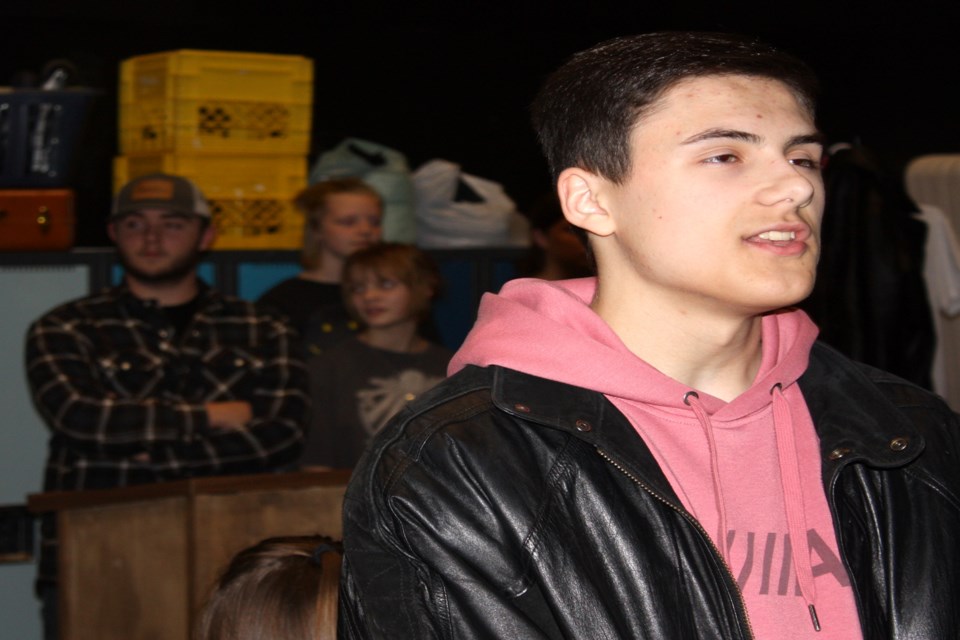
x=876, y=433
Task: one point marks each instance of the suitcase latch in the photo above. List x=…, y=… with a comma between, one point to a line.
x=43, y=219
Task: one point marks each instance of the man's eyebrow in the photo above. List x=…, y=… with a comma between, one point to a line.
x=745, y=136
x=733, y=134
x=810, y=138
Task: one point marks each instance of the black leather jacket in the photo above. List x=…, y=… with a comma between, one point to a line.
x=501, y=505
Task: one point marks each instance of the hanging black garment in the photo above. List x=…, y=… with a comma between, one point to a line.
x=870, y=299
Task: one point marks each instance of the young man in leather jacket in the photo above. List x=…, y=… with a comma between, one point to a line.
x=664, y=451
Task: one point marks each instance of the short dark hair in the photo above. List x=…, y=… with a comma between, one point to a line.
x=586, y=109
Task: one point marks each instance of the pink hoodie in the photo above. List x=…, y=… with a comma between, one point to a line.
x=748, y=470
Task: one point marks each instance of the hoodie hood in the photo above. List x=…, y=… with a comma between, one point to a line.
x=548, y=329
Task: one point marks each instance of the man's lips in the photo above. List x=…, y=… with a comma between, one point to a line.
x=784, y=240
x=778, y=236
x=782, y=234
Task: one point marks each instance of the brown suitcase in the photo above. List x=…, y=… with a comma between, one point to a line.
x=36, y=219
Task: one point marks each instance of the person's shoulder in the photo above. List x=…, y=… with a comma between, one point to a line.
x=437, y=350
x=910, y=418
x=337, y=354
x=99, y=305
x=280, y=289
x=468, y=380
x=486, y=418
x=497, y=395
x=216, y=301
x=464, y=396
x=293, y=289
x=854, y=402
x=228, y=305
x=831, y=367
x=460, y=402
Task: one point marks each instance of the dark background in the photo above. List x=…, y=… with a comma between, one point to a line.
x=453, y=80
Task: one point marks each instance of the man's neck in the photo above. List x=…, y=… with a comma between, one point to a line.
x=166, y=294
x=712, y=352
x=329, y=270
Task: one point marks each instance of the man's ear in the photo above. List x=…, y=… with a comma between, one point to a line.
x=578, y=190
x=209, y=235
x=112, y=232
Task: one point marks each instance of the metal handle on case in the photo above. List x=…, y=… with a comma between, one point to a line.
x=43, y=219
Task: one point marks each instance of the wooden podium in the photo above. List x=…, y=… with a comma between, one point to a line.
x=138, y=562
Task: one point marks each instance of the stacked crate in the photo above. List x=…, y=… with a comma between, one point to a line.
x=237, y=124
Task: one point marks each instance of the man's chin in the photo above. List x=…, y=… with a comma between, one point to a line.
x=161, y=275
x=159, y=278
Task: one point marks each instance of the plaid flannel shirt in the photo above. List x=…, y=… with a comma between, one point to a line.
x=124, y=397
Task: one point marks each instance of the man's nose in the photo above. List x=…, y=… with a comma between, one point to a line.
x=152, y=232
x=787, y=182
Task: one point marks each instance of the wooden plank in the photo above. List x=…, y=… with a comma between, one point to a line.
x=138, y=562
x=123, y=571
x=225, y=524
x=56, y=500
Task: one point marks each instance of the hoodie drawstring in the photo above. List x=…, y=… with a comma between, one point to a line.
x=691, y=399
x=790, y=481
x=793, y=499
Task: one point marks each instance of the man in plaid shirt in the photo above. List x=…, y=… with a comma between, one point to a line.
x=161, y=378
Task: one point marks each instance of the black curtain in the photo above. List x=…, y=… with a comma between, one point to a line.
x=870, y=300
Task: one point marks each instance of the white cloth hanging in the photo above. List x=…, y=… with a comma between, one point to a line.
x=933, y=181
x=941, y=271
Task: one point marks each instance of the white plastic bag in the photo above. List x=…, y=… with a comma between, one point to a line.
x=456, y=209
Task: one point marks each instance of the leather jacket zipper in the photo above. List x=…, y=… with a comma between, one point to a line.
x=697, y=525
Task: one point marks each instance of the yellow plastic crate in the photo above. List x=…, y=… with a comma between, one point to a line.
x=256, y=223
x=219, y=176
x=215, y=101
x=250, y=196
